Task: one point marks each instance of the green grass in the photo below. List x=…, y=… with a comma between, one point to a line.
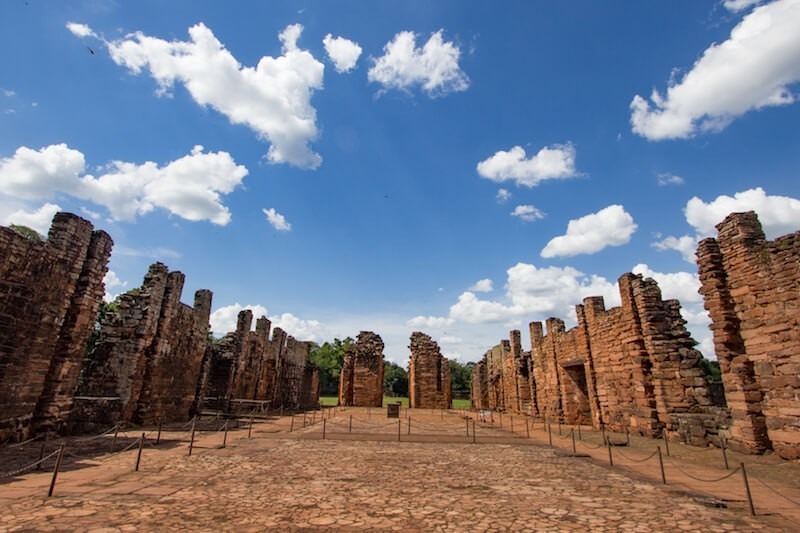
x=333, y=400
x=461, y=404
x=391, y=399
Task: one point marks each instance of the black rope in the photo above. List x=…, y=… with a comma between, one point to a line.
x=28, y=467
x=638, y=460
x=773, y=490
x=726, y=476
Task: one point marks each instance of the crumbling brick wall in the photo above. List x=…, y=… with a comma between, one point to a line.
x=751, y=288
x=361, y=379
x=479, y=389
x=246, y=366
x=49, y=295
x=631, y=367
x=147, y=358
x=429, y=383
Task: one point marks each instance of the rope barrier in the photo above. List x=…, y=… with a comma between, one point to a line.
x=586, y=444
x=17, y=472
x=638, y=460
x=684, y=472
x=773, y=490
x=18, y=444
x=93, y=437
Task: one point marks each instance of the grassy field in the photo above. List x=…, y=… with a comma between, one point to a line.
x=333, y=400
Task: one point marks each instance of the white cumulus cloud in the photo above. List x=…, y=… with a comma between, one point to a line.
x=739, y=5
x=611, y=226
x=533, y=294
x=273, y=98
x=38, y=220
x=189, y=187
x=277, y=220
x=682, y=286
x=484, y=285
x=302, y=330
x=342, y=52
x=429, y=322
x=551, y=162
x=503, y=195
x=112, y=281
x=80, y=30
x=752, y=69
x=433, y=67
x=686, y=245
x=778, y=214
x=527, y=213
x=223, y=320
x=666, y=178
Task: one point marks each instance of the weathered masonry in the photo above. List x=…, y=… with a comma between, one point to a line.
x=429, y=384
x=247, y=367
x=751, y=288
x=361, y=380
x=150, y=359
x=632, y=367
x=146, y=360
x=49, y=294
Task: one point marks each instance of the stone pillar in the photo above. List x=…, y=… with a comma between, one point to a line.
x=361, y=382
x=429, y=384
x=742, y=391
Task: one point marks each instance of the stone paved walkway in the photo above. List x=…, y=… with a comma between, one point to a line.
x=295, y=481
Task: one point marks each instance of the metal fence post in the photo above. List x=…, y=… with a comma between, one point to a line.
x=139, y=455
x=58, y=465
x=747, y=488
x=191, y=439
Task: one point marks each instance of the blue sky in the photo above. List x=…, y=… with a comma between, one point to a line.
x=460, y=168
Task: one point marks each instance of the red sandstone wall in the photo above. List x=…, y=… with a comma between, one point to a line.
x=49, y=293
x=751, y=288
x=361, y=380
x=429, y=383
x=631, y=367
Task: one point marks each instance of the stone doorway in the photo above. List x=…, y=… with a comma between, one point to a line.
x=576, y=393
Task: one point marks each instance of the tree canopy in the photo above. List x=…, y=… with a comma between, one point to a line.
x=395, y=379
x=27, y=232
x=328, y=359
x=461, y=375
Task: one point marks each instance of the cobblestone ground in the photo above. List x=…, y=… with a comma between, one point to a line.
x=288, y=482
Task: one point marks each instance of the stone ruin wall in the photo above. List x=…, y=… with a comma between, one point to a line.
x=429, y=383
x=361, y=379
x=631, y=368
x=146, y=361
x=49, y=295
x=751, y=288
x=150, y=360
x=247, y=366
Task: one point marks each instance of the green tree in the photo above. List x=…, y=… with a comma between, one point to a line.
x=27, y=232
x=461, y=376
x=711, y=370
x=104, y=312
x=395, y=379
x=328, y=359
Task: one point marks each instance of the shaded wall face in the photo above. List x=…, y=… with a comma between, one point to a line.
x=631, y=367
x=148, y=358
x=49, y=293
x=751, y=288
x=361, y=381
x=428, y=375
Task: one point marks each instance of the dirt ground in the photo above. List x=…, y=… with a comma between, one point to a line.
x=374, y=473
